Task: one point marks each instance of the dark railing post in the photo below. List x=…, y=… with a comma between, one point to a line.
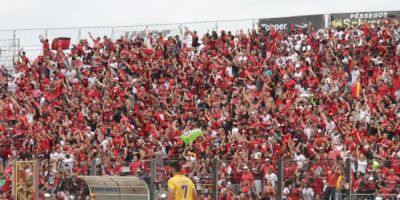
x=215, y=179
x=280, y=179
x=15, y=49
x=93, y=168
x=152, y=178
x=348, y=178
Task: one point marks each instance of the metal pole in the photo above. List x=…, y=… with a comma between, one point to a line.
x=280, y=179
x=46, y=34
x=112, y=33
x=14, y=178
x=93, y=167
x=14, y=50
x=36, y=168
x=215, y=178
x=152, y=178
x=348, y=178
x=79, y=34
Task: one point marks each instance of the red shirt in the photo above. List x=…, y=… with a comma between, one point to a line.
x=331, y=180
x=247, y=177
x=134, y=166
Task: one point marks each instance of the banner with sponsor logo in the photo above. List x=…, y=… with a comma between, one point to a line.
x=287, y=23
x=350, y=19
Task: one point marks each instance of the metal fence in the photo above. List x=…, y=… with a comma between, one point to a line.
x=28, y=39
x=273, y=179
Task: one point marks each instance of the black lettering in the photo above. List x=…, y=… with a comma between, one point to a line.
x=105, y=189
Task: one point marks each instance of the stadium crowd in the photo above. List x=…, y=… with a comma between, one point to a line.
x=311, y=97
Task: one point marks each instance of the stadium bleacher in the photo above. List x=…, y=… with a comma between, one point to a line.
x=310, y=97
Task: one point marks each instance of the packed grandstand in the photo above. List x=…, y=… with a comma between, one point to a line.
x=313, y=98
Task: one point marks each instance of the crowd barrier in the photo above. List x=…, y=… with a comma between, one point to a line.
x=279, y=179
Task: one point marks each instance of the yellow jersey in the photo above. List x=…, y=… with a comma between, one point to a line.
x=339, y=182
x=182, y=186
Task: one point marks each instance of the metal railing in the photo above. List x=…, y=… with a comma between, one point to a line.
x=279, y=179
x=29, y=38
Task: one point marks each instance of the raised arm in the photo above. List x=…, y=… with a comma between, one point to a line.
x=41, y=39
x=91, y=36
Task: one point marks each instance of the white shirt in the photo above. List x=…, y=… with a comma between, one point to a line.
x=29, y=117
x=70, y=197
x=308, y=132
x=298, y=75
x=330, y=126
x=187, y=40
x=365, y=115
x=104, y=144
x=308, y=193
x=257, y=155
x=69, y=160
x=299, y=159
x=355, y=73
x=339, y=147
x=70, y=73
x=362, y=166
x=285, y=192
x=147, y=41
x=11, y=87
x=229, y=170
x=266, y=117
x=92, y=80
x=335, y=138
x=229, y=70
x=56, y=156
x=272, y=178
x=134, y=90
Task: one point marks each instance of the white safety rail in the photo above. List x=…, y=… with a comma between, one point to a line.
x=28, y=39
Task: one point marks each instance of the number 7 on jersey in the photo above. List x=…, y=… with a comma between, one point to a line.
x=184, y=188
